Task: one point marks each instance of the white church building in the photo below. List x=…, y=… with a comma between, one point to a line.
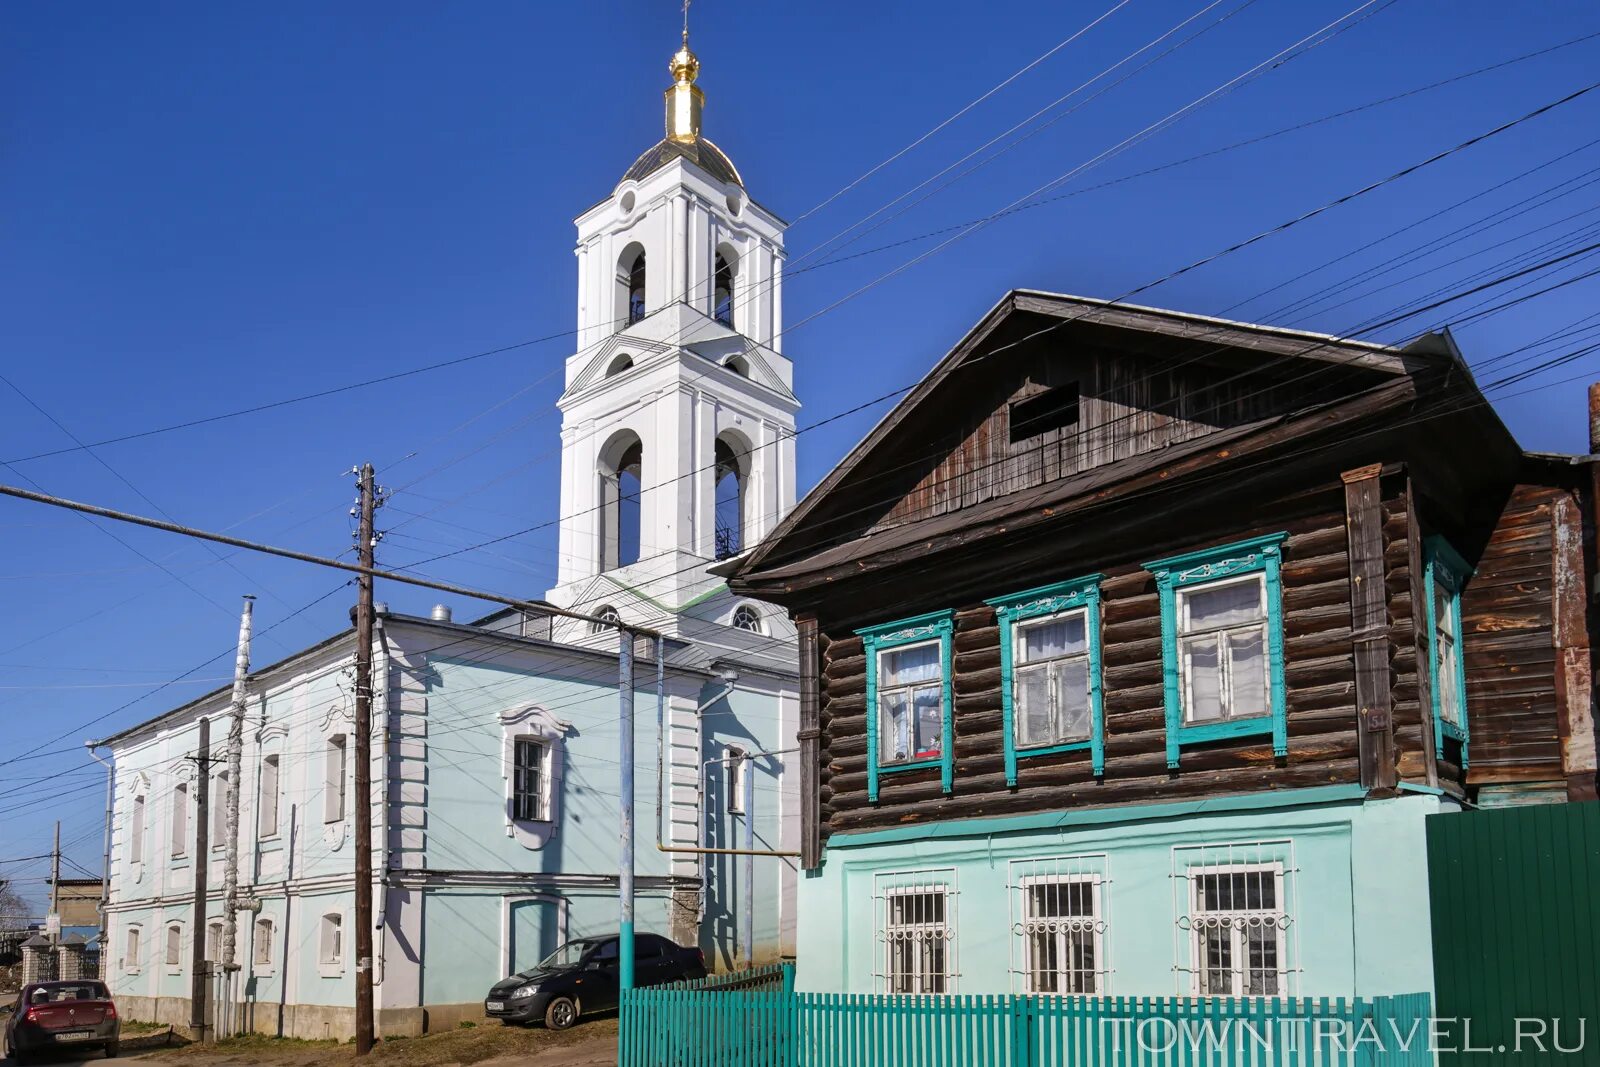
x=495, y=806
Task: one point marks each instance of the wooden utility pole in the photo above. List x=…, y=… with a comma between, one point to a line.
x=363, y=784
x=55, y=888
x=202, y=864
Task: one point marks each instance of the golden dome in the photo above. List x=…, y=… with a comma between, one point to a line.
x=685, y=66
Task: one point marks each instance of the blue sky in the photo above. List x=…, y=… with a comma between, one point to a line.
x=213, y=205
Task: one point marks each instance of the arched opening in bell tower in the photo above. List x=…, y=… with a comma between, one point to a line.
x=621, y=473
x=630, y=284
x=731, y=479
x=722, y=286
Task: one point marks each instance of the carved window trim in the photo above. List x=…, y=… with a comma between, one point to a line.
x=1261, y=555
x=1444, y=569
x=1031, y=605
x=934, y=626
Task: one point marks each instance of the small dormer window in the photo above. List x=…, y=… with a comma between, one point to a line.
x=748, y=618
x=604, y=619
x=1053, y=409
x=621, y=363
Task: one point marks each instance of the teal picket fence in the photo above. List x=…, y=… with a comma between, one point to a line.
x=676, y=1027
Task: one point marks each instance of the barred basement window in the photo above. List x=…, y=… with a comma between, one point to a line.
x=1237, y=911
x=529, y=774
x=1058, y=921
x=917, y=932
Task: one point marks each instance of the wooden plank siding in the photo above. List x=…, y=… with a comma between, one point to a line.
x=1507, y=614
x=1319, y=677
x=1125, y=409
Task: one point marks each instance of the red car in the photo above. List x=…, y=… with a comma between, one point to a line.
x=62, y=1015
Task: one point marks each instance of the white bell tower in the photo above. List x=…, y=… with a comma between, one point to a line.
x=678, y=417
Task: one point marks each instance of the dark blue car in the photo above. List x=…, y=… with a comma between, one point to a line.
x=581, y=977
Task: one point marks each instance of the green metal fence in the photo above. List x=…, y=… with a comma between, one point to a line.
x=1516, y=934
x=668, y=1027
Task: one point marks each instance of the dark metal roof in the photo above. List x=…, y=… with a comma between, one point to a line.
x=707, y=156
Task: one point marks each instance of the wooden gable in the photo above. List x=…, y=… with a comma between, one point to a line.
x=1047, y=387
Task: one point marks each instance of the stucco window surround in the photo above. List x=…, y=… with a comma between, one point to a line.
x=534, y=724
x=335, y=737
x=508, y=905
x=263, y=952
x=137, y=826
x=1445, y=575
x=273, y=745
x=333, y=942
x=1251, y=565
x=180, y=812
x=132, y=948
x=934, y=630
x=172, y=947
x=1075, y=605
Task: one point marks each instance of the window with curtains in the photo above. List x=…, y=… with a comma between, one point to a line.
x=530, y=776
x=267, y=809
x=910, y=704
x=909, y=697
x=1222, y=643
x=1222, y=649
x=1050, y=685
x=1050, y=680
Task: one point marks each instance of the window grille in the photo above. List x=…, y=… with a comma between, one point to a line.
x=1222, y=649
x=1058, y=925
x=1235, y=904
x=916, y=931
x=529, y=773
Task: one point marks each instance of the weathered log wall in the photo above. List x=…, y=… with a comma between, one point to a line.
x=1508, y=619
x=1319, y=675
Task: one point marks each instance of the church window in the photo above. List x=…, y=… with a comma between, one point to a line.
x=621, y=468
x=619, y=364
x=748, y=618
x=722, y=291
x=604, y=619
x=730, y=485
x=739, y=365
x=631, y=276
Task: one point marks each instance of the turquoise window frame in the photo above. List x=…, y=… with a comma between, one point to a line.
x=1443, y=566
x=1257, y=555
x=937, y=625
x=1045, y=600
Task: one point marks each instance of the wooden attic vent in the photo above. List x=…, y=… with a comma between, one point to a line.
x=1052, y=409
